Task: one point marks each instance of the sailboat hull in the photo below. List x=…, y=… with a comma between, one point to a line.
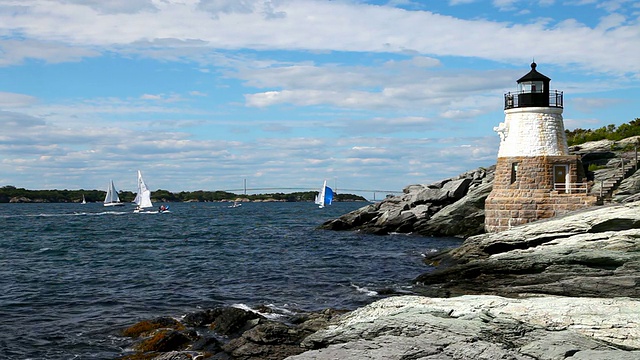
x=143, y=211
x=114, y=204
x=143, y=196
x=112, y=198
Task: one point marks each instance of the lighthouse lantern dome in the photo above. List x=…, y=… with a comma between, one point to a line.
x=533, y=91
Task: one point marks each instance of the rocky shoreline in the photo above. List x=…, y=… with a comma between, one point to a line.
x=449, y=208
x=225, y=333
x=561, y=288
x=588, y=253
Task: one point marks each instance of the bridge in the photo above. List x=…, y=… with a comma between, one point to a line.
x=296, y=189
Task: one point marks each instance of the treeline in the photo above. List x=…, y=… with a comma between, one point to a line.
x=609, y=132
x=60, y=196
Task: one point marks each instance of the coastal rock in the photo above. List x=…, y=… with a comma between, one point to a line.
x=232, y=321
x=596, y=147
x=455, y=207
x=460, y=219
x=433, y=210
x=225, y=333
x=268, y=340
x=561, y=288
x=588, y=253
x=482, y=327
x=629, y=189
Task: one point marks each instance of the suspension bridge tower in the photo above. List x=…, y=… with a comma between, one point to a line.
x=536, y=177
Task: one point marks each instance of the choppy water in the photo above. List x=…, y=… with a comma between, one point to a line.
x=73, y=276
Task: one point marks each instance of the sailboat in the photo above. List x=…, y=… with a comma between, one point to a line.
x=143, y=196
x=325, y=196
x=112, y=199
x=83, y=200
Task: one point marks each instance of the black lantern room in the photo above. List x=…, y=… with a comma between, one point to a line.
x=533, y=91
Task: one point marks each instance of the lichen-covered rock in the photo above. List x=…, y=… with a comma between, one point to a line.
x=147, y=327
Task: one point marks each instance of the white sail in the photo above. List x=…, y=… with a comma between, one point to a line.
x=112, y=198
x=320, y=196
x=325, y=196
x=84, y=201
x=143, y=197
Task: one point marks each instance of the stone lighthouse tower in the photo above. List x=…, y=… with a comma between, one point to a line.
x=535, y=177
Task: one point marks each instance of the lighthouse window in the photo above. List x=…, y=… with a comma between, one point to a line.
x=532, y=87
x=514, y=172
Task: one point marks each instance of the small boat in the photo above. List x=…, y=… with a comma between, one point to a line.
x=112, y=199
x=143, y=196
x=83, y=200
x=235, y=204
x=325, y=196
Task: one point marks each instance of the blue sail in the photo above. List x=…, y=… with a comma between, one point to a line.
x=328, y=195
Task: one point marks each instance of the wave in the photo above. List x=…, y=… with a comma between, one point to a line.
x=429, y=252
x=364, y=290
x=269, y=311
x=64, y=215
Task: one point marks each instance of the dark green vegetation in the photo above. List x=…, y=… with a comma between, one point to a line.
x=58, y=196
x=609, y=132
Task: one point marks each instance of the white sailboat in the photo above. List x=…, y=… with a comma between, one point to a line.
x=83, y=200
x=325, y=196
x=112, y=198
x=143, y=197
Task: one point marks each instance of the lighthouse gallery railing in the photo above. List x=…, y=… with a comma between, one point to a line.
x=511, y=99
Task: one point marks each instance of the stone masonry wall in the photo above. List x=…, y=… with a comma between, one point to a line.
x=532, y=196
x=532, y=132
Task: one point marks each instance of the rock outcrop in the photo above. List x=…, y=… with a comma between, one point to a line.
x=563, y=288
x=455, y=207
x=225, y=333
x=588, y=253
x=482, y=327
x=431, y=210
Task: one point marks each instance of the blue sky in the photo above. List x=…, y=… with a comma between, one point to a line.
x=203, y=94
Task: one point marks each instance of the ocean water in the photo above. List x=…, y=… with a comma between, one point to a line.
x=73, y=276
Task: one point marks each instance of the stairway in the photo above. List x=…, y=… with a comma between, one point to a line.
x=604, y=188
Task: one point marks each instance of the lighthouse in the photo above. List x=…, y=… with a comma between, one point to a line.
x=536, y=177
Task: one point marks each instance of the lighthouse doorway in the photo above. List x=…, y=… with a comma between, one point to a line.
x=561, y=177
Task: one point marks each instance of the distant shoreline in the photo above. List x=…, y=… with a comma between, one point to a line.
x=11, y=194
x=42, y=201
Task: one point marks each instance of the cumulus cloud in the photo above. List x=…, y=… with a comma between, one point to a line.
x=13, y=52
x=316, y=26
x=13, y=100
x=277, y=95
x=12, y=122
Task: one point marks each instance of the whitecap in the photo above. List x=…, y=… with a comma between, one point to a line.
x=268, y=315
x=364, y=290
x=429, y=252
x=400, y=234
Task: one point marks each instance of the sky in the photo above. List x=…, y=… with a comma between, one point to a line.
x=368, y=95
